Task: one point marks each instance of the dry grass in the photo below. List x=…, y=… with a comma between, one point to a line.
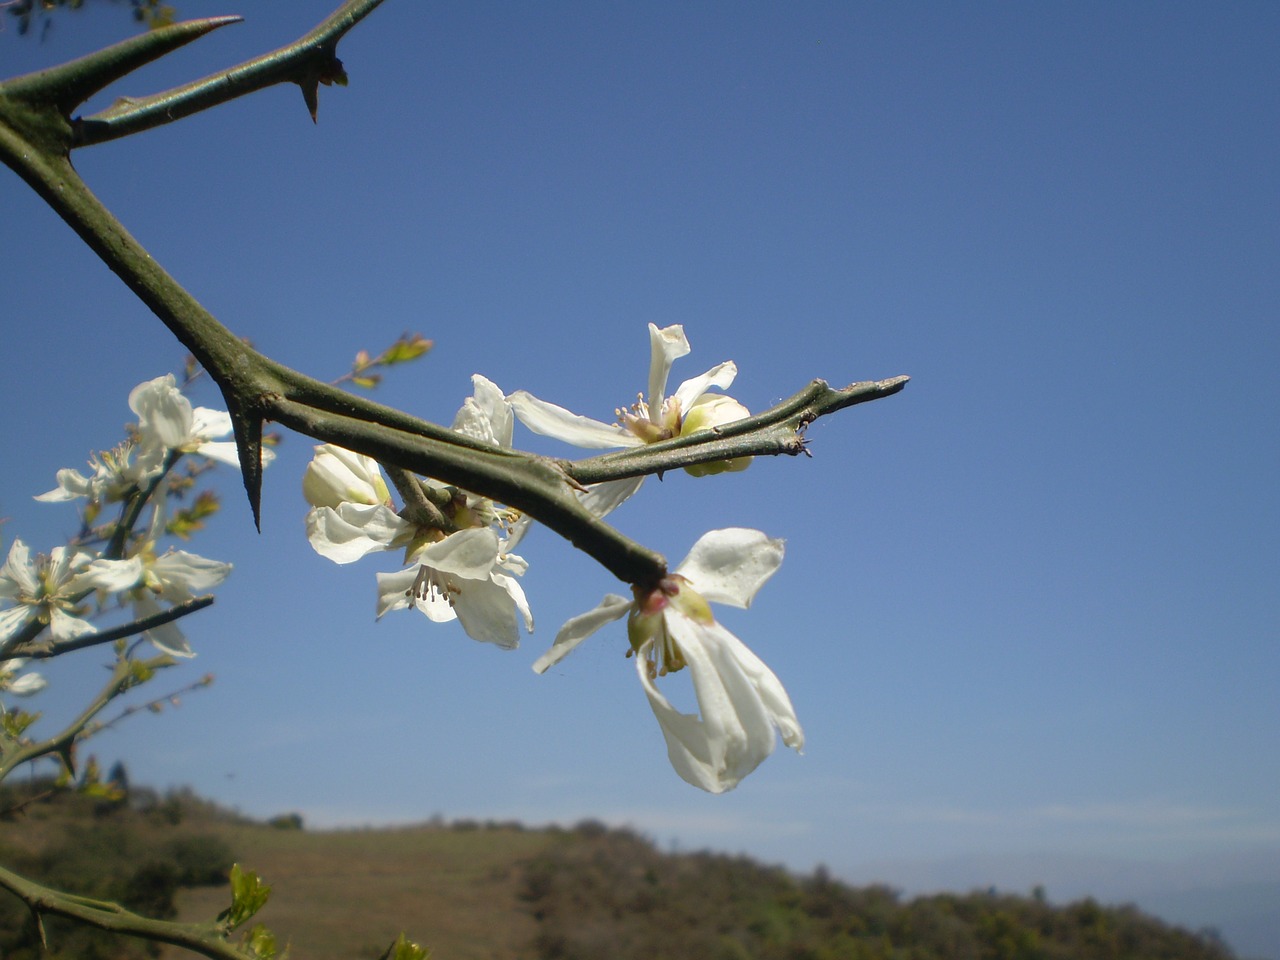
x=349, y=893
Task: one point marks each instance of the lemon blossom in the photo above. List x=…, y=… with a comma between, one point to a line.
x=467, y=573
x=351, y=514
x=670, y=626
x=19, y=686
x=49, y=590
x=176, y=577
x=465, y=576
x=655, y=416
x=114, y=476
x=167, y=422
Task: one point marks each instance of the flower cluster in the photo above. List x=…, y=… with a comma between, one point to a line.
x=458, y=561
x=59, y=591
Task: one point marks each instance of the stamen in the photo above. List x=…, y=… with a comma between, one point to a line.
x=429, y=585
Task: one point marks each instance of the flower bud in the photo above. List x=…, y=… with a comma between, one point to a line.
x=336, y=476
x=709, y=412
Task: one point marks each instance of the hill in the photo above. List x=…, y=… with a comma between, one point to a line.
x=499, y=891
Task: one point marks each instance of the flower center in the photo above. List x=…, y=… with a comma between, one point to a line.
x=431, y=584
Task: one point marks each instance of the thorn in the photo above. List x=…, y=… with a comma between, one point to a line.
x=328, y=73
x=248, y=433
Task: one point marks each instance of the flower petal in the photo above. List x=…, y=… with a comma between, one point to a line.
x=550, y=420
x=728, y=566
x=577, y=629
x=603, y=498
x=486, y=415
x=13, y=619
x=393, y=589
x=734, y=733
x=665, y=347
x=26, y=685
x=353, y=530
x=471, y=554
x=181, y=575
x=208, y=424
x=720, y=376
x=167, y=638
x=18, y=575
x=110, y=575
x=487, y=610
x=164, y=414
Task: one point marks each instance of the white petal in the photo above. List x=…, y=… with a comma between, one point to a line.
x=207, y=423
x=12, y=620
x=336, y=476
x=27, y=684
x=486, y=415
x=63, y=626
x=183, y=575
x=110, y=575
x=611, y=608
x=718, y=376
x=734, y=733
x=18, y=575
x=487, y=611
x=603, y=498
x=168, y=637
x=393, y=589
x=471, y=554
x=516, y=592
x=729, y=566
x=353, y=530
x=164, y=414
x=550, y=420
x=71, y=485
x=665, y=347
x=769, y=687
x=225, y=451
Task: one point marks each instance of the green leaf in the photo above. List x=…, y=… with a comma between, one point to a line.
x=407, y=348
x=404, y=949
x=248, y=895
x=16, y=721
x=261, y=941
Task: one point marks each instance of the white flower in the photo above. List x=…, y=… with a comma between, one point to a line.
x=657, y=417
x=19, y=686
x=115, y=475
x=167, y=421
x=486, y=414
x=670, y=626
x=50, y=590
x=463, y=576
x=176, y=577
x=351, y=513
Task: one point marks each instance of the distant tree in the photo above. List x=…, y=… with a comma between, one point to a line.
x=150, y=13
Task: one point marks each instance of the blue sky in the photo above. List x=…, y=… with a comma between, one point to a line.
x=1028, y=615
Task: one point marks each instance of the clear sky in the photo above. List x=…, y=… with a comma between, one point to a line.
x=1029, y=611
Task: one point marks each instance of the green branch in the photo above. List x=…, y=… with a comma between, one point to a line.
x=776, y=431
x=126, y=674
x=134, y=627
x=208, y=939
x=308, y=61
x=35, y=140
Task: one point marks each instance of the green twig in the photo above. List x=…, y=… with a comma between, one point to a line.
x=308, y=61
x=208, y=939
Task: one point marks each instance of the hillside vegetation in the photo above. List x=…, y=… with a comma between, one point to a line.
x=490, y=891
